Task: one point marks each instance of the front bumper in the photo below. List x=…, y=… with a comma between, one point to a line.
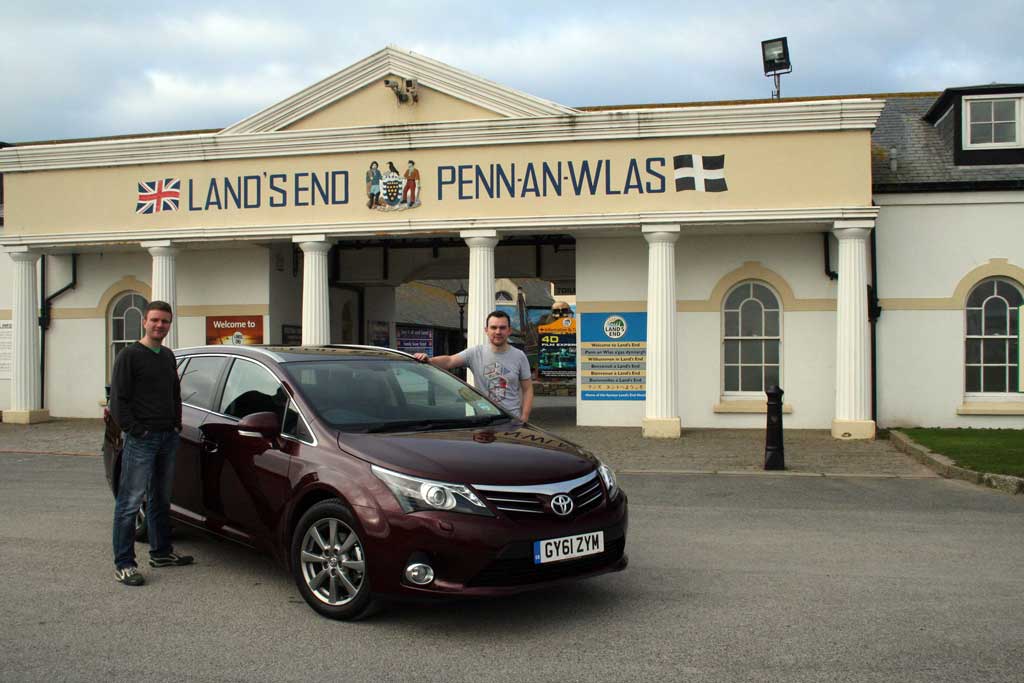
x=488, y=556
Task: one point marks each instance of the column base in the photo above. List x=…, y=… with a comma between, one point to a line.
x=853, y=429
x=662, y=427
x=25, y=417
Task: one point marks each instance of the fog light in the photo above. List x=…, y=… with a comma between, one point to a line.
x=419, y=573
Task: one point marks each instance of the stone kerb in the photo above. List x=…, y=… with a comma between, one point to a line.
x=949, y=469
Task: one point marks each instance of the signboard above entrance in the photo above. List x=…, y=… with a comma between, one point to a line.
x=604, y=178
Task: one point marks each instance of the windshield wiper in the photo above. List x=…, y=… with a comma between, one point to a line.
x=430, y=424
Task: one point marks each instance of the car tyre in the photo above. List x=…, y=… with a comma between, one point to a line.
x=329, y=564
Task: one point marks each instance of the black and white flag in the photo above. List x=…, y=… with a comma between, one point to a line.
x=700, y=173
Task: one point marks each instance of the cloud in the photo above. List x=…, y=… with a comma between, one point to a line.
x=75, y=70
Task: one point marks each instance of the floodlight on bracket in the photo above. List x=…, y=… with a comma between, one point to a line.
x=775, y=55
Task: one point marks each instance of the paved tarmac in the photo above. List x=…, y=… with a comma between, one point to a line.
x=808, y=452
x=732, y=578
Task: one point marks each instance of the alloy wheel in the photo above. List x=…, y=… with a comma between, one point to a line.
x=333, y=562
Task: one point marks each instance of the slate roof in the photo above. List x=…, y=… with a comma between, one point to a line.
x=924, y=162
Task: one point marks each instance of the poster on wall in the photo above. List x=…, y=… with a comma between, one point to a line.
x=557, y=355
x=6, y=347
x=414, y=339
x=234, y=329
x=613, y=356
x=378, y=333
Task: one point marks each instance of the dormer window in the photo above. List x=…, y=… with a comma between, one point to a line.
x=992, y=122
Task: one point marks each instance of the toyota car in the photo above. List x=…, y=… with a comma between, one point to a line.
x=368, y=474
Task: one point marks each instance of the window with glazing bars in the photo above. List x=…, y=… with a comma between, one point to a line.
x=752, y=337
x=993, y=337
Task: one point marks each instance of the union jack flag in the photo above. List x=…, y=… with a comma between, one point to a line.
x=158, y=195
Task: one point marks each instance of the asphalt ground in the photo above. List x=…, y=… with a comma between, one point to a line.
x=732, y=578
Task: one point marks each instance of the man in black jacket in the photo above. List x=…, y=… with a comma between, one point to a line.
x=145, y=399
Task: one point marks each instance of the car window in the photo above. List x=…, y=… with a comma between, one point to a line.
x=251, y=388
x=294, y=425
x=365, y=395
x=199, y=380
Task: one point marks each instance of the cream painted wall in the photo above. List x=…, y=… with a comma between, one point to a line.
x=612, y=272
x=285, y=296
x=924, y=249
x=822, y=169
x=376, y=105
x=76, y=346
x=927, y=244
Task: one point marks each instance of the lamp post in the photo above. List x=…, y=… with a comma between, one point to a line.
x=461, y=297
x=775, y=55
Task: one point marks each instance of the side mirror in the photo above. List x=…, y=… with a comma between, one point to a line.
x=260, y=425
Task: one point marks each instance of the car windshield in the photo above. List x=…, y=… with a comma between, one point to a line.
x=380, y=395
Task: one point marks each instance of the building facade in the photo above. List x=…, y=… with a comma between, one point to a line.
x=703, y=242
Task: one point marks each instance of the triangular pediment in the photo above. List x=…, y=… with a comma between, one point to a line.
x=357, y=96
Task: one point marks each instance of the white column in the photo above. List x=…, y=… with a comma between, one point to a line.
x=853, y=343
x=481, y=285
x=164, y=287
x=25, y=393
x=316, y=299
x=661, y=409
x=481, y=282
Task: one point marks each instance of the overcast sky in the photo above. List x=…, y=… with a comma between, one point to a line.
x=82, y=69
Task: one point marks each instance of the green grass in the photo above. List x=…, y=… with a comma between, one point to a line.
x=999, y=451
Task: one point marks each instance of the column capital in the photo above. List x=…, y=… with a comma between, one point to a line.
x=852, y=229
x=163, y=251
x=315, y=247
x=23, y=255
x=156, y=243
x=661, y=236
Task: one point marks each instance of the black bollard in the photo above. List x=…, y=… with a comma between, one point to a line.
x=774, y=454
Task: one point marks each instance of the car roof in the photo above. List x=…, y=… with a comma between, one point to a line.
x=291, y=354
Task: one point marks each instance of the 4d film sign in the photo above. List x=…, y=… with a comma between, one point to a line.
x=234, y=329
x=613, y=356
x=557, y=354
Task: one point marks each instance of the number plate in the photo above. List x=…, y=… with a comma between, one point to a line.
x=568, y=547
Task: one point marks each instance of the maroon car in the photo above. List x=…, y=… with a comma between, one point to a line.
x=367, y=473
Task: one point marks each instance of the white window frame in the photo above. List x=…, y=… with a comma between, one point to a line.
x=748, y=395
x=1018, y=99
x=993, y=396
x=110, y=326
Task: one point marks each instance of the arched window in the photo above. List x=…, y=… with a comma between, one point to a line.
x=125, y=326
x=503, y=297
x=993, y=337
x=751, y=338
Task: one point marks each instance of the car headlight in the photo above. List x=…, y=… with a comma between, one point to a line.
x=415, y=494
x=610, y=483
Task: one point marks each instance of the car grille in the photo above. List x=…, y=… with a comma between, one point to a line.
x=514, y=565
x=524, y=502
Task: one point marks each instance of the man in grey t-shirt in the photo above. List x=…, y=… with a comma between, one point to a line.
x=500, y=370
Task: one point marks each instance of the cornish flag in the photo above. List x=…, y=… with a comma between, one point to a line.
x=158, y=195
x=700, y=173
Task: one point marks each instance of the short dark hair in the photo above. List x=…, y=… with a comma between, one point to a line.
x=497, y=314
x=157, y=306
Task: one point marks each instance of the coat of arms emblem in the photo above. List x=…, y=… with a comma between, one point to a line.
x=390, y=190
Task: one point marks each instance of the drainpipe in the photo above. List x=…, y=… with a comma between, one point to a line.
x=874, y=313
x=45, y=310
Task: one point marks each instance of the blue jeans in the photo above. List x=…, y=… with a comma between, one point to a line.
x=147, y=469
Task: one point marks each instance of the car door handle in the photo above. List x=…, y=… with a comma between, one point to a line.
x=210, y=446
